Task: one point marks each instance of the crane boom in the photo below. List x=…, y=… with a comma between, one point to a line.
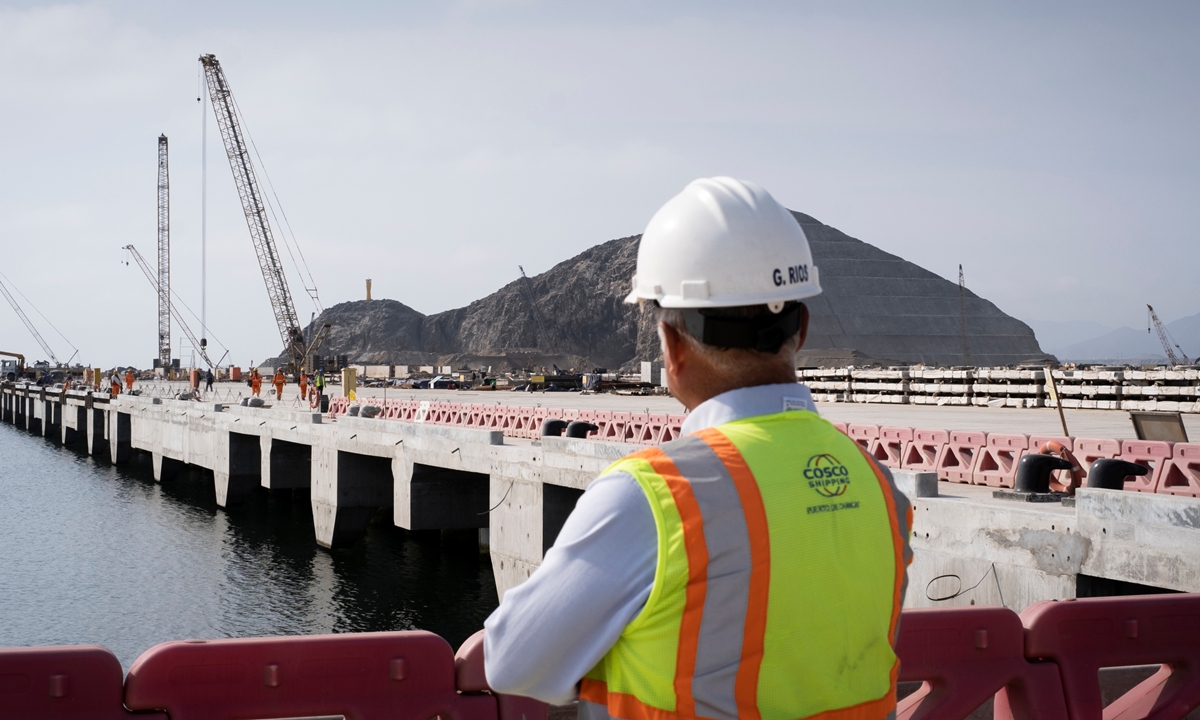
x=164, y=256
x=25, y=319
x=149, y=273
x=254, y=207
x=1166, y=341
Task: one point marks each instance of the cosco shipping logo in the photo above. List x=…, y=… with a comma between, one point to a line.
x=826, y=475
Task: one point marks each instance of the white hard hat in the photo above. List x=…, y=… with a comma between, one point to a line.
x=723, y=243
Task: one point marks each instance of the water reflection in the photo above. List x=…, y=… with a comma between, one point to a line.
x=105, y=555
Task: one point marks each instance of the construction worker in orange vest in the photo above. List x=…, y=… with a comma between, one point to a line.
x=129, y=378
x=115, y=382
x=279, y=381
x=255, y=382
x=303, y=385
x=756, y=566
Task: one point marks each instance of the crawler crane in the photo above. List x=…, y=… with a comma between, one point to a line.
x=254, y=206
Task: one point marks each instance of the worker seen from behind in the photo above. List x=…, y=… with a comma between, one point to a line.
x=753, y=568
x=115, y=383
x=303, y=382
x=129, y=378
x=208, y=380
x=278, y=381
x=255, y=382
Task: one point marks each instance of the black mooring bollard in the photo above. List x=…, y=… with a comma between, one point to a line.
x=1110, y=473
x=580, y=429
x=1033, y=472
x=553, y=427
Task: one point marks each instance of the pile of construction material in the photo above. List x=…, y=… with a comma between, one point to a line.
x=1164, y=389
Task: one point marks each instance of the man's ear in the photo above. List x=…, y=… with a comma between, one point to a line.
x=674, y=348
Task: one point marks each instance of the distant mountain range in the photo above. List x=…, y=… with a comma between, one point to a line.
x=1086, y=341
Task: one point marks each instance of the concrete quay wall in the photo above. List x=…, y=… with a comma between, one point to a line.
x=970, y=548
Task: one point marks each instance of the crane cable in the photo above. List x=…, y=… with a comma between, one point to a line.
x=39, y=312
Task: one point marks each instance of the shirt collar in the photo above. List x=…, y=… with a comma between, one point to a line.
x=748, y=402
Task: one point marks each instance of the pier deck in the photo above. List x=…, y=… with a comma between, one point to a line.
x=518, y=492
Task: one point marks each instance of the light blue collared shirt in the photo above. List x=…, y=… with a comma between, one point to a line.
x=552, y=629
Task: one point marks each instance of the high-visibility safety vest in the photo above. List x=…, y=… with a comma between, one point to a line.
x=777, y=591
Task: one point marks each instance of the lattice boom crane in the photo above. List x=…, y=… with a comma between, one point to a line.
x=29, y=325
x=1166, y=341
x=255, y=208
x=164, y=256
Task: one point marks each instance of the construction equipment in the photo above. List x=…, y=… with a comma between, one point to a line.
x=20, y=367
x=149, y=273
x=32, y=330
x=254, y=206
x=1167, y=343
x=164, y=257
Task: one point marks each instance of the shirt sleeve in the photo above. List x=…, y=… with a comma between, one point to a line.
x=555, y=627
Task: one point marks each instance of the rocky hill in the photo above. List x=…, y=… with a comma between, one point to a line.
x=876, y=307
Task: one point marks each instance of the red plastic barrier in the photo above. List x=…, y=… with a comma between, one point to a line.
x=401, y=675
x=392, y=409
x=602, y=419
x=840, y=427
x=506, y=420
x=338, y=406
x=674, y=428
x=637, y=423
x=1181, y=474
x=925, y=450
x=618, y=425
x=891, y=444
x=958, y=460
x=469, y=676
x=996, y=462
x=524, y=425
x=1151, y=453
x=82, y=682
x=963, y=656
x=652, y=431
x=1083, y=636
x=1089, y=450
x=539, y=416
x=864, y=435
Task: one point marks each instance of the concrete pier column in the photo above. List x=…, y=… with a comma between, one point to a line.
x=6, y=407
x=120, y=437
x=74, y=425
x=165, y=468
x=243, y=472
x=51, y=418
x=97, y=436
x=347, y=490
x=33, y=415
x=285, y=465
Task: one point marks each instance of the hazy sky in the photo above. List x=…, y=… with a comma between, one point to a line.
x=433, y=147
